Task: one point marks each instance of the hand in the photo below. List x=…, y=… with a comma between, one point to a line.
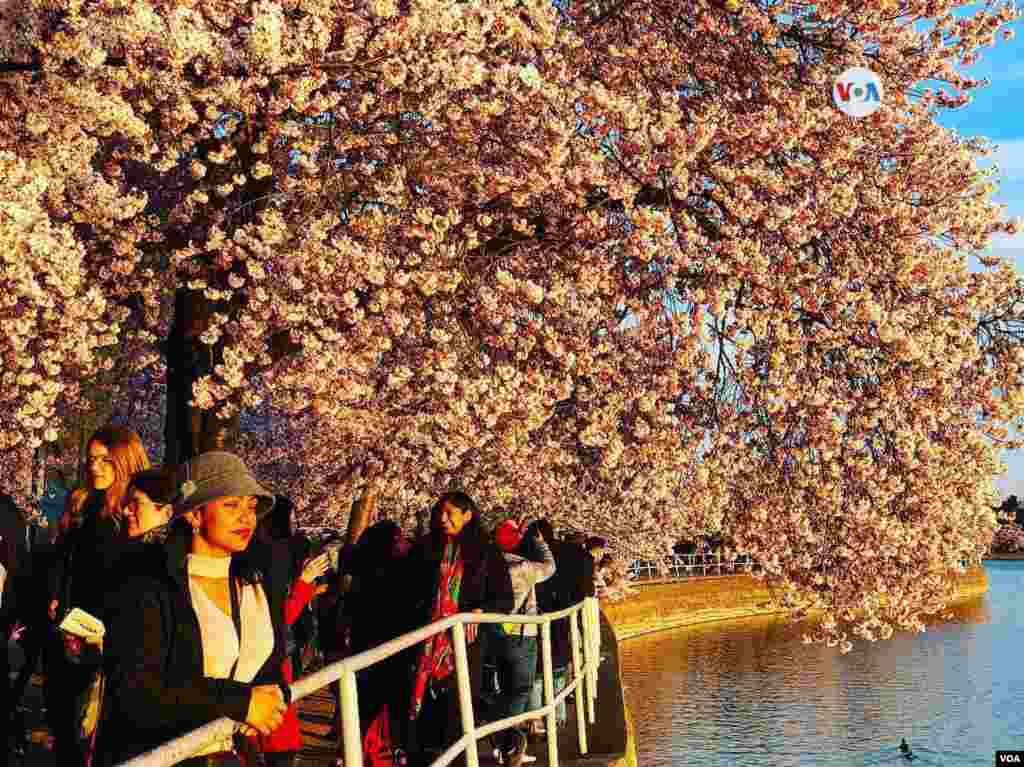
x=315, y=568
x=364, y=510
x=266, y=708
x=53, y=610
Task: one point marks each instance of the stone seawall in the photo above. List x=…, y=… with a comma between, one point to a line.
x=668, y=605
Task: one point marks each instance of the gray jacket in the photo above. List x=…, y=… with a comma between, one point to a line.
x=525, y=575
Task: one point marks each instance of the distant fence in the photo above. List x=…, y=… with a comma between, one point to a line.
x=681, y=566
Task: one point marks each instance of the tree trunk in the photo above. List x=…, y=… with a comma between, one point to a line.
x=189, y=431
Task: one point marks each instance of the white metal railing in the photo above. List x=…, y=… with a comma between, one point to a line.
x=689, y=566
x=586, y=656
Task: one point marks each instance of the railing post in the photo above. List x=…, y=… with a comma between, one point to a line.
x=465, y=693
x=577, y=674
x=593, y=642
x=350, y=730
x=550, y=721
x=588, y=655
x=340, y=714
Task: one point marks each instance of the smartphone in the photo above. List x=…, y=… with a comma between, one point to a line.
x=333, y=551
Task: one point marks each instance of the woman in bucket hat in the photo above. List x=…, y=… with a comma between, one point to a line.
x=198, y=632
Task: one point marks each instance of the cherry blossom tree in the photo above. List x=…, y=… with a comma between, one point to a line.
x=1009, y=539
x=617, y=263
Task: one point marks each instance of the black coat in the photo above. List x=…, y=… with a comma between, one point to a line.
x=557, y=593
x=575, y=574
x=156, y=689
x=486, y=584
x=14, y=556
x=378, y=605
x=86, y=557
x=572, y=582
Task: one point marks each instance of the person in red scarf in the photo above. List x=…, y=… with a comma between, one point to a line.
x=453, y=569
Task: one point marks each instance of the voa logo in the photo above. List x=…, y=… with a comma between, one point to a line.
x=857, y=92
x=1004, y=758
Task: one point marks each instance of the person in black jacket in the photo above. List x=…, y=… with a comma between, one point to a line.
x=557, y=593
x=91, y=531
x=379, y=577
x=199, y=633
x=90, y=539
x=32, y=595
x=14, y=553
x=13, y=559
x=455, y=557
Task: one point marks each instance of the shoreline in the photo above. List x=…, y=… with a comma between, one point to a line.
x=719, y=599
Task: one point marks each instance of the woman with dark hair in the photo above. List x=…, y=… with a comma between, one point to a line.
x=148, y=504
x=282, y=746
x=198, y=633
x=379, y=577
x=278, y=526
x=452, y=569
x=553, y=595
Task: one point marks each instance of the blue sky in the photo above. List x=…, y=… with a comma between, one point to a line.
x=997, y=112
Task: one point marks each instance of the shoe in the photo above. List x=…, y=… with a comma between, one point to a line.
x=514, y=758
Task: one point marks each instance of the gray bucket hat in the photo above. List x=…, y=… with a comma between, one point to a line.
x=214, y=475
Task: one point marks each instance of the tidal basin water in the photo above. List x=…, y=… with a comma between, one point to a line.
x=751, y=693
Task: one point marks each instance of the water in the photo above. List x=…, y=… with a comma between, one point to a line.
x=750, y=693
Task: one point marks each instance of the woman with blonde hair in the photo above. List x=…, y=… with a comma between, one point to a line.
x=113, y=455
x=90, y=540
x=92, y=521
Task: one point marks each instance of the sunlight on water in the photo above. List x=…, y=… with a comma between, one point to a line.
x=750, y=693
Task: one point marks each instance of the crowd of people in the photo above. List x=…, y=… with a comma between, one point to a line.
x=207, y=599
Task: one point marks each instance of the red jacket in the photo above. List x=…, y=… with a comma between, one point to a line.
x=288, y=737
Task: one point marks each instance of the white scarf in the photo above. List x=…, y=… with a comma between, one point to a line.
x=221, y=644
x=208, y=567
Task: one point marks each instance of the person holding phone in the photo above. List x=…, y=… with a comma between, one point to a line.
x=281, y=747
x=513, y=646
